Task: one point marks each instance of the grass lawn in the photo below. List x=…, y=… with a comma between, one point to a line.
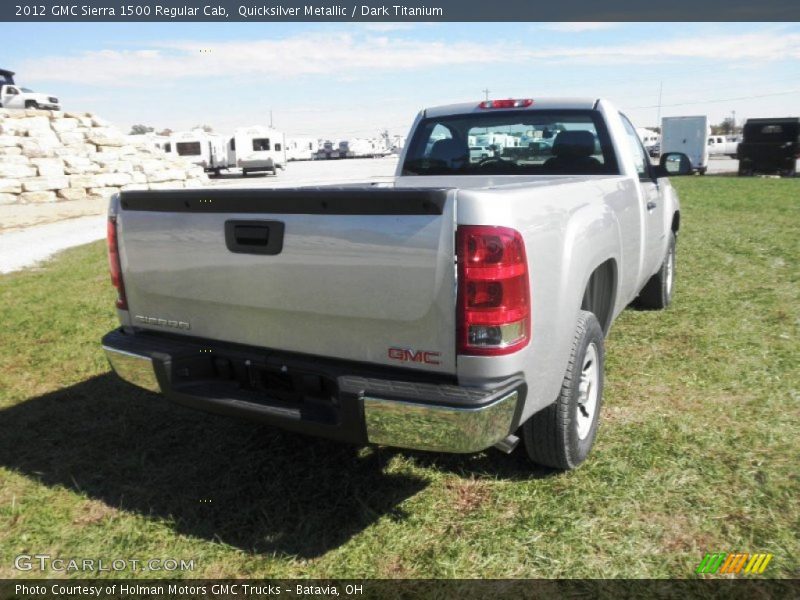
x=698, y=449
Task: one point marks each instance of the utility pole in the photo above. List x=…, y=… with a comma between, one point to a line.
x=660, y=89
x=486, y=93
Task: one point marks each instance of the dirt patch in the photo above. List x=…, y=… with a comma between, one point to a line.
x=470, y=494
x=92, y=512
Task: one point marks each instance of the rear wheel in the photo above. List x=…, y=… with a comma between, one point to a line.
x=790, y=172
x=561, y=435
x=745, y=171
x=657, y=292
x=31, y=104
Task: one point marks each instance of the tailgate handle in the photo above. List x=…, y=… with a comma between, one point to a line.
x=254, y=237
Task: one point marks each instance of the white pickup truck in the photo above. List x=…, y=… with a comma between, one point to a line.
x=723, y=145
x=14, y=96
x=461, y=306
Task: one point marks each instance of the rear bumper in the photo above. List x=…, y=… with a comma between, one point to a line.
x=339, y=400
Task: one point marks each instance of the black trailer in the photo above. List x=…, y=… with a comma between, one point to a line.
x=6, y=77
x=770, y=146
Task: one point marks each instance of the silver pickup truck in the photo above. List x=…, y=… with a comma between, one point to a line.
x=464, y=305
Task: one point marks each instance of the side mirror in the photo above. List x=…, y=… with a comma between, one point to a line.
x=674, y=164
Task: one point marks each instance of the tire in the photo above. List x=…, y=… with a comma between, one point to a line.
x=790, y=172
x=561, y=435
x=657, y=292
x=745, y=171
x=702, y=170
x=32, y=104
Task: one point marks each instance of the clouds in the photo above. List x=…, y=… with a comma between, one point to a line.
x=358, y=53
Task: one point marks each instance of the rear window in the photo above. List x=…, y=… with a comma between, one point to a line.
x=188, y=148
x=768, y=132
x=260, y=144
x=531, y=142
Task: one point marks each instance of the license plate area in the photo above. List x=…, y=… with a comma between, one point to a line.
x=259, y=380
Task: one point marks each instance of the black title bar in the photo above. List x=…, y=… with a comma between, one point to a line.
x=396, y=10
x=404, y=589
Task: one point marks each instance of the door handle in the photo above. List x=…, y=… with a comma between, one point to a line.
x=651, y=205
x=254, y=237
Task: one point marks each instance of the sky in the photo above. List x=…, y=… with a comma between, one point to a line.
x=341, y=80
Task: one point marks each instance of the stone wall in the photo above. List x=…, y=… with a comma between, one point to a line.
x=51, y=156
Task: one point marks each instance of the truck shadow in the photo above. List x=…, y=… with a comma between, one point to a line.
x=250, y=486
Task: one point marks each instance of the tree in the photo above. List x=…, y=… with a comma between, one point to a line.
x=140, y=130
x=206, y=128
x=165, y=132
x=727, y=127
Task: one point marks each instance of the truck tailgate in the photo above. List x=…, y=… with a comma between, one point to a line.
x=364, y=274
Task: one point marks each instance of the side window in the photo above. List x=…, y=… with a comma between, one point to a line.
x=277, y=147
x=640, y=158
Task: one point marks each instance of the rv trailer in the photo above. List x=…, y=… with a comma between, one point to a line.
x=259, y=148
x=302, y=148
x=201, y=148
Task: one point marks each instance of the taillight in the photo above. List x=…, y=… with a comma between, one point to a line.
x=113, y=263
x=509, y=103
x=494, y=307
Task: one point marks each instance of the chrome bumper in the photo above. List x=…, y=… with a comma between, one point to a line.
x=133, y=368
x=416, y=425
x=439, y=428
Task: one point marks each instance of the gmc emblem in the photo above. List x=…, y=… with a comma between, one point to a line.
x=418, y=356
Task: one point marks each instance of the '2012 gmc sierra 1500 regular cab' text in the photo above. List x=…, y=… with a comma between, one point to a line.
x=460, y=306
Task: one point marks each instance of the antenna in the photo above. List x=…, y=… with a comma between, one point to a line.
x=486, y=92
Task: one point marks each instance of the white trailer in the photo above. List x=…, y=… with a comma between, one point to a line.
x=327, y=150
x=152, y=141
x=649, y=137
x=201, y=148
x=301, y=148
x=368, y=147
x=259, y=148
x=398, y=142
x=688, y=135
x=344, y=149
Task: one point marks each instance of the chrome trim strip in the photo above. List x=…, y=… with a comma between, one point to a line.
x=133, y=368
x=438, y=428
